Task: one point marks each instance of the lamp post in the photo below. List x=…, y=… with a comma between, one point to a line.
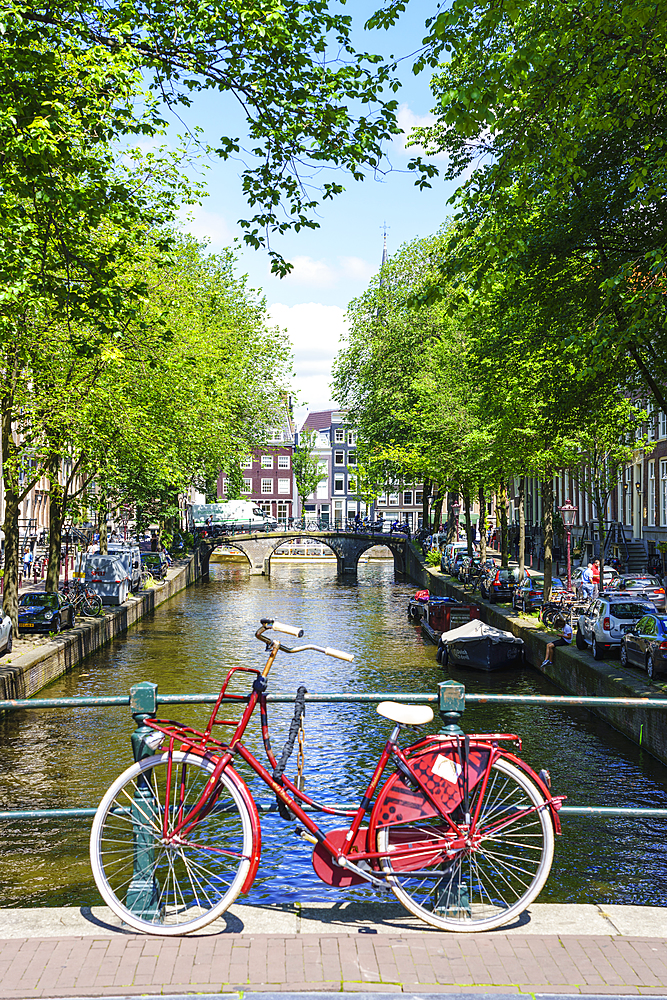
x=456, y=510
x=569, y=514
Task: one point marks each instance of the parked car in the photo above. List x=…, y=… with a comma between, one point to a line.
x=527, y=595
x=645, y=645
x=42, y=612
x=5, y=633
x=606, y=622
x=131, y=557
x=497, y=585
x=642, y=586
x=610, y=574
x=457, y=562
x=447, y=556
x=109, y=576
x=155, y=563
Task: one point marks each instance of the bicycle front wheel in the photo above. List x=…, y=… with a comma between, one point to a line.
x=161, y=886
x=91, y=606
x=490, y=883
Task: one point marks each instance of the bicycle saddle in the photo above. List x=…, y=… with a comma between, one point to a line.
x=406, y=715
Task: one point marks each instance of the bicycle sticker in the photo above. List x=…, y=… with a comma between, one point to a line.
x=445, y=768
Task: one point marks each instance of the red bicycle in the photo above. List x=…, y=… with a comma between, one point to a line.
x=462, y=831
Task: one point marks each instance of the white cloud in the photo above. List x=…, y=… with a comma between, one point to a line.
x=315, y=331
x=407, y=120
x=326, y=274
x=307, y=271
x=206, y=226
x=356, y=268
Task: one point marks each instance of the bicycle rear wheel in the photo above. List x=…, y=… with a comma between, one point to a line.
x=91, y=605
x=161, y=887
x=489, y=884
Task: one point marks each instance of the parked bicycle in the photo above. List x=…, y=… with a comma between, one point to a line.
x=462, y=831
x=85, y=601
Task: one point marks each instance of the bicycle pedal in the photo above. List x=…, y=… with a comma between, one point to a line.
x=304, y=835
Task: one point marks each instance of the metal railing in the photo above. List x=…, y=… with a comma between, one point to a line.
x=451, y=698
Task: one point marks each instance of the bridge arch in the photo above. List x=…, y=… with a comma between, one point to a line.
x=346, y=546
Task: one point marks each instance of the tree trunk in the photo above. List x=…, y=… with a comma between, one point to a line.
x=11, y=523
x=482, y=525
x=466, y=508
x=522, y=528
x=10, y=527
x=55, y=539
x=437, y=510
x=102, y=525
x=425, y=503
x=502, y=510
x=602, y=529
x=548, y=505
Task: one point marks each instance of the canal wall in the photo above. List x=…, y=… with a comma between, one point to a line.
x=575, y=671
x=22, y=676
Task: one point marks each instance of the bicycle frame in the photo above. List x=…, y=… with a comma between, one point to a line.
x=203, y=744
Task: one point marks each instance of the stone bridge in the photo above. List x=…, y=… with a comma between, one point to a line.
x=347, y=546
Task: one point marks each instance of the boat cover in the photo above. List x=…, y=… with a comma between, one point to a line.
x=475, y=629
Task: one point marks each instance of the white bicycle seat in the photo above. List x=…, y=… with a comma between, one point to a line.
x=406, y=715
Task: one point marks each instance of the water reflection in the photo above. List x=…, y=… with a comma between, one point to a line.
x=57, y=758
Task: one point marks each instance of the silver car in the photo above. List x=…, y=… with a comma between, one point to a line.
x=606, y=622
x=641, y=586
x=5, y=633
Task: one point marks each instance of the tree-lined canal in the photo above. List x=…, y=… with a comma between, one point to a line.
x=58, y=758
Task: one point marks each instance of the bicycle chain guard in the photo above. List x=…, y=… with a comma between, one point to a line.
x=325, y=866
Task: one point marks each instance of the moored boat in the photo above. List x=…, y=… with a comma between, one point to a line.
x=439, y=614
x=481, y=647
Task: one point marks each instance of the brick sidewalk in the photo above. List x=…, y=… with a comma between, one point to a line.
x=428, y=962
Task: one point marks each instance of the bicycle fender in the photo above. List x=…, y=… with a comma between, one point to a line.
x=554, y=802
x=255, y=824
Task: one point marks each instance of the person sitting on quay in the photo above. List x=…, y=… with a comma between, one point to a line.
x=564, y=640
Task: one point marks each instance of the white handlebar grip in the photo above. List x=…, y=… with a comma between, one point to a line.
x=287, y=629
x=339, y=654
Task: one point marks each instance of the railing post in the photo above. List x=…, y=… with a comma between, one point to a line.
x=451, y=704
x=142, y=893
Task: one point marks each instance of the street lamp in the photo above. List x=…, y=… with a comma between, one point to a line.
x=456, y=510
x=569, y=514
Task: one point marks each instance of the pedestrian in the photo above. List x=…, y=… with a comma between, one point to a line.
x=587, y=581
x=27, y=561
x=564, y=640
x=595, y=574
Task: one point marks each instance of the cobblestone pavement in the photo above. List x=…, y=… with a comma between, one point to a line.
x=131, y=964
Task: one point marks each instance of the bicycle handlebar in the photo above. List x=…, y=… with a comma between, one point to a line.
x=268, y=624
x=279, y=627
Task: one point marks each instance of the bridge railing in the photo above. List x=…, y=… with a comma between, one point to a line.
x=302, y=526
x=450, y=700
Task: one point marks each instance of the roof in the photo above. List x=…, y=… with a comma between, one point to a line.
x=318, y=421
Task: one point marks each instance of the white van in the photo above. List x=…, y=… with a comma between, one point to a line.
x=450, y=552
x=231, y=515
x=108, y=577
x=131, y=558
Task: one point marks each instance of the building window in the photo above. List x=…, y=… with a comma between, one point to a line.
x=283, y=510
x=247, y=486
x=651, y=494
x=283, y=485
x=246, y=463
x=351, y=458
x=267, y=462
x=663, y=424
x=409, y=518
x=339, y=458
x=419, y=497
x=339, y=484
x=267, y=486
x=223, y=488
x=283, y=461
x=628, y=495
x=407, y=498
x=351, y=437
x=265, y=505
x=393, y=499
x=650, y=411
x=663, y=492
x=339, y=435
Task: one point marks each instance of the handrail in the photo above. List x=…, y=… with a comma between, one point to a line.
x=411, y=697
x=451, y=698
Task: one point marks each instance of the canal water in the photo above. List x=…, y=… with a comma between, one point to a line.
x=60, y=758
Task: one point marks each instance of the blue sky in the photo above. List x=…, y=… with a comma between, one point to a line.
x=334, y=263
